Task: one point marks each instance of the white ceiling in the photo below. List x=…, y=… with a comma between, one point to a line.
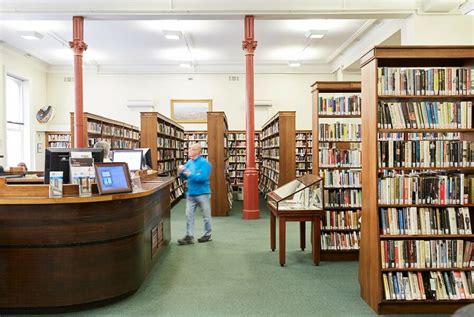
x=120, y=34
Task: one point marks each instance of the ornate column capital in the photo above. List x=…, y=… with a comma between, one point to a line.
x=249, y=45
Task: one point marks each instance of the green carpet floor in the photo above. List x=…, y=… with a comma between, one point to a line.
x=237, y=275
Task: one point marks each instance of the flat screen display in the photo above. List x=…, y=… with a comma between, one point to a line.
x=132, y=158
x=113, y=178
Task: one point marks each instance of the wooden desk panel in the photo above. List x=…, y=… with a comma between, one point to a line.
x=62, y=253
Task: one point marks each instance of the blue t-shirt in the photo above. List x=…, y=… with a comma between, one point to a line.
x=198, y=179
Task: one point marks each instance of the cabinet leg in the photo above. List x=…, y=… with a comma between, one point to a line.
x=282, y=237
x=272, y=232
x=316, y=238
x=302, y=235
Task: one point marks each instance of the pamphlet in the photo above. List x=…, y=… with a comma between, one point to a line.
x=55, y=184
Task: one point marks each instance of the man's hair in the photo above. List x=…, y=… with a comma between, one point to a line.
x=197, y=146
x=104, y=146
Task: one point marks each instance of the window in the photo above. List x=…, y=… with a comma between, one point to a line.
x=15, y=119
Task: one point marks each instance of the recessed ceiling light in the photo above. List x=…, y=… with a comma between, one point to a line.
x=294, y=64
x=30, y=35
x=467, y=8
x=172, y=35
x=316, y=34
x=186, y=64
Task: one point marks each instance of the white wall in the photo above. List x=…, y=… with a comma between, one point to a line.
x=438, y=30
x=107, y=95
x=34, y=72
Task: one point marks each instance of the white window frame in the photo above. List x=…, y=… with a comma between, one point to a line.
x=23, y=125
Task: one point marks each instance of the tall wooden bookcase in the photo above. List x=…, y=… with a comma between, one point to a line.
x=119, y=134
x=304, y=152
x=165, y=138
x=331, y=105
x=277, y=143
x=376, y=64
x=218, y=155
x=57, y=139
x=237, y=160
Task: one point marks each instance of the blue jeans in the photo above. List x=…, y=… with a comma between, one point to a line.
x=192, y=202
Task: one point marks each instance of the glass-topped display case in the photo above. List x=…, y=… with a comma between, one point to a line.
x=303, y=193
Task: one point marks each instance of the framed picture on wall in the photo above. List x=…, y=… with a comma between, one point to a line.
x=190, y=110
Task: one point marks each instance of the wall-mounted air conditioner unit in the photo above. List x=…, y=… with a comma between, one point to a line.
x=263, y=103
x=140, y=105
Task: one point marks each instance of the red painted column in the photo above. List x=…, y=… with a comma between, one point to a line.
x=78, y=46
x=251, y=210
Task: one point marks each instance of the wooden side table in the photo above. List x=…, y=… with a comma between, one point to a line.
x=296, y=215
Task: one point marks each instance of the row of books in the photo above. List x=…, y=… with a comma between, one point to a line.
x=92, y=141
x=426, y=154
x=433, y=285
x=343, y=105
x=270, y=142
x=300, y=165
x=59, y=145
x=170, y=143
x=170, y=130
x=237, y=144
x=340, y=241
x=424, y=136
x=59, y=137
x=424, y=115
x=344, y=178
x=270, y=153
x=195, y=136
x=275, y=165
x=421, y=189
x=334, y=198
x=425, y=81
x=303, y=157
x=340, y=131
x=166, y=154
x=341, y=220
x=236, y=174
x=271, y=174
x=237, y=166
x=335, y=157
x=236, y=159
x=240, y=136
x=100, y=128
x=239, y=152
x=300, y=152
x=271, y=129
x=304, y=144
x=425, y=221
x=167, y=167
x=304, y=136
x=402, y=254
x=124, y=144
x=266, y=185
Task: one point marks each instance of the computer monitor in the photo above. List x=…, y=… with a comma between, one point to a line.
x=133, y=158
x=57, y=160
x=146, y=157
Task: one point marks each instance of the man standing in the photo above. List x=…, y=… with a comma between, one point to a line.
x=197, y=171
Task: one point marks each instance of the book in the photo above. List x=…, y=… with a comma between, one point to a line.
x=55, y=184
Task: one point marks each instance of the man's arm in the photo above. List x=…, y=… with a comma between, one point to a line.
x=202, y=173
x=182, y=170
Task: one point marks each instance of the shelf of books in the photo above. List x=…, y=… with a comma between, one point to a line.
x=277, y=144
x=119, y=135
x=304, y=152
x=337, y=158
x=192, y=137
x=218, y=155
x=57, y=139
x=418, y=158
x=165, y=138
x=237, y=160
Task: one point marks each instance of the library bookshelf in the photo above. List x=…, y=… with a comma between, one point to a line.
x=218, y=156
x=277, y=143
x=237, y=159
x=304, y=152
x=402, y=77
x=165, y=138
x=119, y=135
x=57, y=139
x=192, y=137
x=337, y=103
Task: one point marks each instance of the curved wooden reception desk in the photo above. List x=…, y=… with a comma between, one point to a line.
x=74, y=250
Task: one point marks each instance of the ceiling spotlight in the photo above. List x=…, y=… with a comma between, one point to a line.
x=30, y=35
x=294, y=64
x=185, y=64
x=316, y=34
x=467, y=8
x=172, y=35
